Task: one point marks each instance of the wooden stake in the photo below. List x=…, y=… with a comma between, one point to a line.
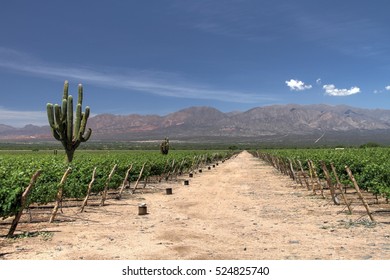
x=139, y=178
x=298, y=178
x=179, y=170
x=311, y=176
x=125, y=182
x=285, y=168
x=304, y=175
x=338, y=185
x=104, y=196
x=292, y=170
x=330, y=184
x=23, y=202
x=314, y=175
x=196, y=162
x=59, y=194
x=170, y=170
x=88, y=191
x=146, y=181
x=288, y=170
x=165, y=170
x=317, y=179
x=359, y=193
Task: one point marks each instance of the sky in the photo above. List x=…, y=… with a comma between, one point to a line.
x=160, y=56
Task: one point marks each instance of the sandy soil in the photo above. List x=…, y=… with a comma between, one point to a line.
x=241, y=209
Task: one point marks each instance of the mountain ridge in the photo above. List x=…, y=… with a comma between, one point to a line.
x=208, y=122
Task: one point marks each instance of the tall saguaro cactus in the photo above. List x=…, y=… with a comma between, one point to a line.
x=69, y=131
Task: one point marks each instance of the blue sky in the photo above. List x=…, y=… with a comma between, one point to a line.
x=156, y=57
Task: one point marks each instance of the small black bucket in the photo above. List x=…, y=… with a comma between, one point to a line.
x=168, y=191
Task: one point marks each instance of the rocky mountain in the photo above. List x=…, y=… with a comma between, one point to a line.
x=298, y=119
x=199, y=123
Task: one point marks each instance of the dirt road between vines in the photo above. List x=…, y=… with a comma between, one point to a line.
x=241, y=209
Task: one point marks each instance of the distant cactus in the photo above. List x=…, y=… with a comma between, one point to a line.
x=64, y=128
x=164, y=147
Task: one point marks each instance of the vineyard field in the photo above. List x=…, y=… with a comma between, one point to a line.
x=17, y=167
x=370, y=166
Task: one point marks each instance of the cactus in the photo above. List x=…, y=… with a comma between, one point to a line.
x=69, y=131
x=164, y=147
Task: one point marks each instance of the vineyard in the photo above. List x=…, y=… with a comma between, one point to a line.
x=337, y=170
x=242, y=208
x=91, y=173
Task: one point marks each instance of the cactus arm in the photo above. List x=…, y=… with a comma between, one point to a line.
x=79, y=130
x=56, y=135
x=82, y=138
x=80, y=94
x=85, y=117
x=66, y=89
x=87, y=112
x=57, y=113
x=50, y=114
x=85, y=137
x=64, y=109
x=77, y=123
x=69, y=120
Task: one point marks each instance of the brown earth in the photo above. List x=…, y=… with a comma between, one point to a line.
x=241, y=209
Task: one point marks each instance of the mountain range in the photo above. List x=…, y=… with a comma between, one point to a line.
x=276, y=123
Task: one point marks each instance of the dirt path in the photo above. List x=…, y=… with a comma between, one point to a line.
x=242, y=209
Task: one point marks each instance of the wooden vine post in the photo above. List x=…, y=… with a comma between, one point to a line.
x=166, y=166
x=88, y=190
x=288, y=170
x=179, y=170
x=304, y=175
x=359, y=193
x=338, y=185
x=203, y=161
x=311, y=177
x=317, y=179
x=104, y=195
x=277, y=165
x=124, y=183
x=139, y=178
x=292, y=171
x=170, y=170
x=330, y=184
x=298, y=178
x=283, y=166
x=59, y=194
x=195, y=164
x=23, y=203
x=273, y=160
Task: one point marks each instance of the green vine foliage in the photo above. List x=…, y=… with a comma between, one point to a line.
x=370, y=166
x=17, y=168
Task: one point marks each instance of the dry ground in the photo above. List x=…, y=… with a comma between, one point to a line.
x=241, y=209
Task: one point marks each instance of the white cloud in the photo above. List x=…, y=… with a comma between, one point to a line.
x=387, y=87
x=297, y=85
x=318, y=81
x=21, y=118
x=333, y=91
